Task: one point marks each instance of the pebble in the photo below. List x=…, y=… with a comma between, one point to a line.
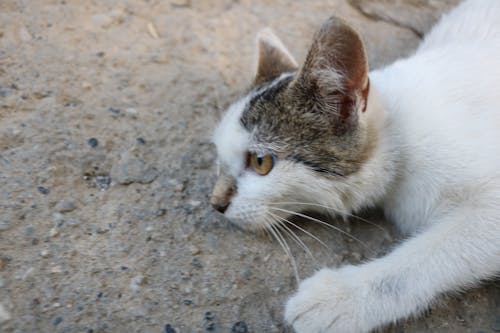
x=3, y=263
x=102, y=182
x=45, y=253
x=4, y=314
x=3, y=283
x=43, y=190
x=239, y=327
x=195, y=203
x=57, y=321
x=169, y=329
x=195, y=250
x=93, y=142
x=160, y=212
x=179, y=187
x=131, y=111
x=53, y=232
x=140, y=141
x=56, y=269
x=196, y=262
x=137, y=282
x=65, y=206
x=115, y=112
x=133, y=170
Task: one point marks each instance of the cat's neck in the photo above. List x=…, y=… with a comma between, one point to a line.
x=374, y=179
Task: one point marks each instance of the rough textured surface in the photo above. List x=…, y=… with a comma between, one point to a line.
x=115, y=234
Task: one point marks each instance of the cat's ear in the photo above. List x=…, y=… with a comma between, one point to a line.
x=334, y=77
x=273, y=57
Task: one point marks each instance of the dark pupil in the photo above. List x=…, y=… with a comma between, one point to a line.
x=259, y=160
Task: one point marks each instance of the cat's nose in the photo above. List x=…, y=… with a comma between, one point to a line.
x=224, y=189
x=220, y=206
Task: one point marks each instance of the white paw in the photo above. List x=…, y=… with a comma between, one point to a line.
x=329, y=301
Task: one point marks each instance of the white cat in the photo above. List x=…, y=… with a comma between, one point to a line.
x=419, y=138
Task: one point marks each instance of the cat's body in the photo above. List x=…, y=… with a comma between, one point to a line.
x=420, y=140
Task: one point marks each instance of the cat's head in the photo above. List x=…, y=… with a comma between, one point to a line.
x=297, y=140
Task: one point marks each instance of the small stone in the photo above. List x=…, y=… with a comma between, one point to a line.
x=169, y=329
x=149, y=228
x=131, y=111
x=239, y=327
x=123, y=268
x=187, y=302
x=160, y=212
x=3, y=283
x=209, y=316
x=100, y=54
x=102, y=182
x=93, y=142
x=43, y=190
x=56, y=269
x=115, y=112
x=133, y=170
x=53, y=232
x=195, y=203
x=195, y=250
x=140, y=141
x=196, y=262
x=45, y=253
x=179, y=187
x=3, y=263
x=65, y=206
x=4, y=314
x=137, y=282
x=210, y=327
x=57, y=321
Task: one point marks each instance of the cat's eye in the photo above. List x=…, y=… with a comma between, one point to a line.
x=262, y=164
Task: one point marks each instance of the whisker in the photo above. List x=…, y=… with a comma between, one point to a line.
x=323, y=223
x=288, y=231
x=286, y=248
x=303, y=230
x=335, y=211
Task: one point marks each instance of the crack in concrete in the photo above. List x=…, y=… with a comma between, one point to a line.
x=359, y=7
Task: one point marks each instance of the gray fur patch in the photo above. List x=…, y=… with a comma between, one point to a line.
x=290, y=124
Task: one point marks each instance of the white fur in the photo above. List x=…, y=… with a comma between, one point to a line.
x=435, y=170
x=441, y=132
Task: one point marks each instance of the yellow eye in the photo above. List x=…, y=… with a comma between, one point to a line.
x=261, y=164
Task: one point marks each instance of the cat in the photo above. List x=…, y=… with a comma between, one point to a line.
x=418, y=138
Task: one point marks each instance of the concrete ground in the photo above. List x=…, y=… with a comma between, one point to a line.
x=106, y=166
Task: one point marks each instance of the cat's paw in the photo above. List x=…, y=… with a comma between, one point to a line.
x=329, y=301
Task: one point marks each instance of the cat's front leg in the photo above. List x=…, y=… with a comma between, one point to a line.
x=458, y=250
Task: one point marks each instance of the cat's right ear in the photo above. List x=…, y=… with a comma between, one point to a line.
x=273, y=57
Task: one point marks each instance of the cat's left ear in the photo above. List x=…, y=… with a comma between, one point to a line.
x=273, y=57
x=334, y=78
